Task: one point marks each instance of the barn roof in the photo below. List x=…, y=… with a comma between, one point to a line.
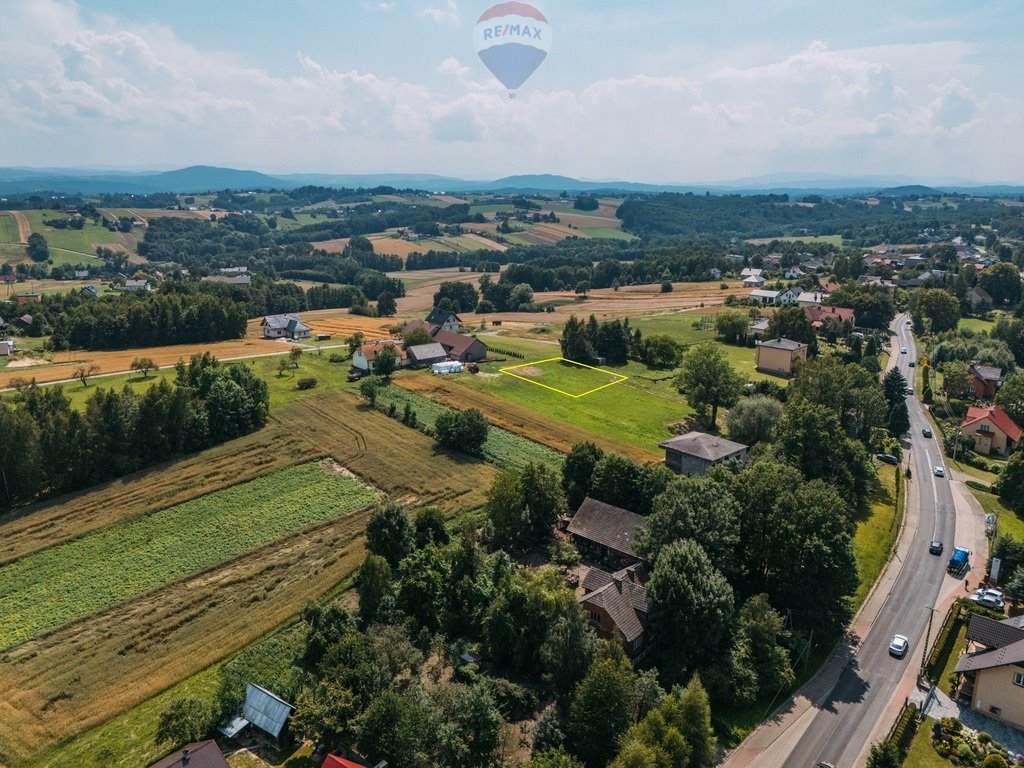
x=607, y=525
x=265, y=710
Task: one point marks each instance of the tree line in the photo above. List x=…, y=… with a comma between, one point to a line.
x=49, y=447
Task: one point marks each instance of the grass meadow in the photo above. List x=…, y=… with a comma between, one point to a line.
x=564, y=376
x=82, y=240
x=876, y=532
x=8, y=230
x=89, y=574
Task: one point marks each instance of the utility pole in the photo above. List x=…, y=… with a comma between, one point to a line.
x=927, y=636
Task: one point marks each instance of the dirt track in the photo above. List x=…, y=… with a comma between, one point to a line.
x=24, y=230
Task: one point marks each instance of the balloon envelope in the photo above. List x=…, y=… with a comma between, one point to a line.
x=512, y=39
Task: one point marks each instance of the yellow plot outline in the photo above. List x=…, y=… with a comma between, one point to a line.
x=619, y=378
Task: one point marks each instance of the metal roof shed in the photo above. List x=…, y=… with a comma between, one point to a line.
x=265, y=710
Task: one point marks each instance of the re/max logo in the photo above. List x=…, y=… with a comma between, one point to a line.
x=512, y=30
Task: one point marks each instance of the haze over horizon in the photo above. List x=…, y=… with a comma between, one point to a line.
x=658, y=94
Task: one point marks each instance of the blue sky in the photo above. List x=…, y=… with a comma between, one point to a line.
x=650, y=91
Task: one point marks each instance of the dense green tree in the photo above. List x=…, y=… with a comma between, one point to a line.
x=464, y=431
x=183, y=721
x=708, y=380
x=752, y=419
x=523, y=506
x=660, y=351
x=894, y=386
x=578, y=471
x=429, y=528
x=389, y=533
x=386, y=361
x=731, y=325
x=851, y=392
x=394, y=728
x=422, y=578
x=657, y=740
x=1010, y=485
x=686, y=590
x=899, y=419
x=884, y=755
x=386, y=306
x=37, y=249
x=792, y=323
x=553, y=758
x=697, y=508
x=324, y=714
x=695, y=725
x=1010, y=331
x=374, y=585
x=758, y=645
x=601, y=708
x=575, y=343
x=874, y=305
x=955, y=378
x=937, y=306
x=417, y=337
x=567, y=652
x=463, y=297
x=1002, y=281
x=370, y=388
x=1010, y=396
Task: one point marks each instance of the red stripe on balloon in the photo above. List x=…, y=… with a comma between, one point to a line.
x=512, y=9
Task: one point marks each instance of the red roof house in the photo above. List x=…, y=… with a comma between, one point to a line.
x=333, y=761
x=992, y=429
x=818, y=314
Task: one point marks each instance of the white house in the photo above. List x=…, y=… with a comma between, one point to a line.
x=793, y=273
x=137, y=285
x=751, y=272
x=284, y=327
x=764, y=297
x=811, y=299
x=715, y=273
x=753, y=281
x=789, y=297
x=365, y=356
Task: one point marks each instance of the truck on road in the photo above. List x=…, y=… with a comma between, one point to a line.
x=958, y=561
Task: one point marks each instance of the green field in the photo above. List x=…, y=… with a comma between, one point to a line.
x=836, y=240
x=86, y=575
x=679, y=328
x=613, y=233
x=503, y=448
x=637, y=412
x=876, y=532
x=80, y=240
x=8, y=230
x=976, y=324
x=564, y=377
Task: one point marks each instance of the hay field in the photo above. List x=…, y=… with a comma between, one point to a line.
x=333, y=246
x=118, y=361
x=549, y=234
x=341, y=325
x=158, y=213
x=84, y=673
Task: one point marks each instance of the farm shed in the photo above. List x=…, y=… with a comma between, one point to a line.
x=465, y=349
x=262, y=709
x=422, y=355
x=199, y=754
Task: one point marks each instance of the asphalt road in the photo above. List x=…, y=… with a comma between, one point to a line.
x=844, y=721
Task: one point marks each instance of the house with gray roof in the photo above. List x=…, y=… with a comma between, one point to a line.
x=422, y=355
x=605, y=532
x=284, y=327
x=444, y=318
x=696, y=452
x=992, y=669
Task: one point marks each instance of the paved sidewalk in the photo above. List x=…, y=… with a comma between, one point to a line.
x=940, y=705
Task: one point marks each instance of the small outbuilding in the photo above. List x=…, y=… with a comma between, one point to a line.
x=696, y=452
x=263, y=710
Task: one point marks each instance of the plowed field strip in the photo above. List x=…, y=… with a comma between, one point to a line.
x=400, y=461
x=521, y=421
x=67, y=517
x=85, y=673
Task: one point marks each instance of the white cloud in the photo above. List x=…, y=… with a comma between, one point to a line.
x=443, y=14
x=102, y=93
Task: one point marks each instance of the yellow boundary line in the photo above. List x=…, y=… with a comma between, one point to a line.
x=619, y=378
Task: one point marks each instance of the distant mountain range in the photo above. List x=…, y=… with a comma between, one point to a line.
x=205, y=178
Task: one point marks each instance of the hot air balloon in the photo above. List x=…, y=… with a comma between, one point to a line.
x=512, y=39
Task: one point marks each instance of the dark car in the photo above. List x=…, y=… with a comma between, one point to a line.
x=888, y=458
x=912, y=364
x=935, y=548
x=926, y=432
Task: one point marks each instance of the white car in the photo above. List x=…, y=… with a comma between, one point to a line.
x=903, y=350
x=989, y=601
x=898, y=646
x=939, y=472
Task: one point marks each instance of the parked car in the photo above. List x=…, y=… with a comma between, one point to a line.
x=888, y=458
x=926, y=432
x=935, y=548
x=993, y=593
x=898, y=646
x=989, y=601
x=912, y=364
x=939, y=472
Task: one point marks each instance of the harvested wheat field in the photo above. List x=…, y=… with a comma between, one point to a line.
x=333, y=246
x=629, y=301
x=67, y=517
x=549, y=234
x=340, y=324
x=84, y=673
x=120, y=360
x=521, y=421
